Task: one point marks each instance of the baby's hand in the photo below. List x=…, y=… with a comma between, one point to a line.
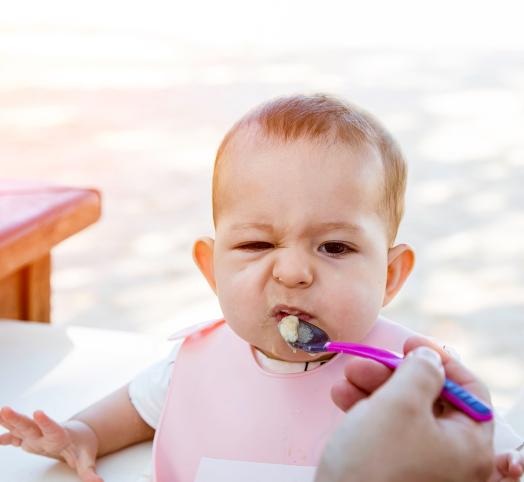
x=509, y=467
x=74, y=442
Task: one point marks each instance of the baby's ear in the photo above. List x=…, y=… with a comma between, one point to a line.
x=401, y=259
x=203, y=257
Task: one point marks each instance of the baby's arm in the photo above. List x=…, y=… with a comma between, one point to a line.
x=115, y=422
x=107, y=426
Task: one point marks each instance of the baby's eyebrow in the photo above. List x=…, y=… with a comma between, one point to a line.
x=260, y=226
x=320, y=227
x=337, y=225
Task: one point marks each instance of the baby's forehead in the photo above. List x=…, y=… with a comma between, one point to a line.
x=324, y=168
x=252, y=140
x=247, y=139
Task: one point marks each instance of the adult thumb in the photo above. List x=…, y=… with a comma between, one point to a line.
x=419, y=378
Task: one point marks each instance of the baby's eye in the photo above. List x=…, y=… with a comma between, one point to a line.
x=255, y=246
x=335, y=248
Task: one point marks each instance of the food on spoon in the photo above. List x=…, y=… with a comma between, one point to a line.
x=288, y=328
x=304, y=333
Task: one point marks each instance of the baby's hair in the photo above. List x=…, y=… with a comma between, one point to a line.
x=319, y=117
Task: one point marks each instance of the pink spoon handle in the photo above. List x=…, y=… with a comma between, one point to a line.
x=451, y=391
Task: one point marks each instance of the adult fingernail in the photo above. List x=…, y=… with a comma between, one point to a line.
x=451, y=352
x=428, y=354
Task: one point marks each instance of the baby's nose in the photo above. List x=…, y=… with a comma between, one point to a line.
x=293, y=269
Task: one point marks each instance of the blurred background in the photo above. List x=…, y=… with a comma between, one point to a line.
x=134, y=97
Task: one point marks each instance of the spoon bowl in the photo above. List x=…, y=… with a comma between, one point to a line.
x=311, y=338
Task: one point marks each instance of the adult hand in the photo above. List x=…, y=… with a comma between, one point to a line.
x=396, y=430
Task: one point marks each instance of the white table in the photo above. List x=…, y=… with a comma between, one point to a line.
x=60, y=371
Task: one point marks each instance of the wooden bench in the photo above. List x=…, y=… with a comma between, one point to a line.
x=33, y=219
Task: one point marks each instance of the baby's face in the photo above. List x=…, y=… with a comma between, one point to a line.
x=299, y=232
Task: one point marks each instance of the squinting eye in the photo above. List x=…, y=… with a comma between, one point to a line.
x=334, y=248
x=255, y=246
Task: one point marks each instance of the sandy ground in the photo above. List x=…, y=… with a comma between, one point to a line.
x=139, y=114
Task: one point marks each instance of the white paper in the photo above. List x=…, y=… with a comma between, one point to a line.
x=218, y=470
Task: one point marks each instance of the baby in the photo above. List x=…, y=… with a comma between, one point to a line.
x=308, y=194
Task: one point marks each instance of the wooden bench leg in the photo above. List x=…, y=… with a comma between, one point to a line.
x=26, y=294
x=37, y=290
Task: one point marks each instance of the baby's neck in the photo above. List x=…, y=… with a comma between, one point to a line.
x=324, y=357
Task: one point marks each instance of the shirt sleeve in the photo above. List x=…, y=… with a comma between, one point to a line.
x=148, y=390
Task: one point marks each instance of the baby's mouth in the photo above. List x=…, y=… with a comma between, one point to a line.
x=281, y=311
x=294, y=325
x=290, y=323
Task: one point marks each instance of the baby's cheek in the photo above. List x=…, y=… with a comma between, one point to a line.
x=239, y=309
x=353, y=295
x=355, y=317
x=231, y=306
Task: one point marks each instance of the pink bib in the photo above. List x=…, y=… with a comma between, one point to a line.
x=222, y=405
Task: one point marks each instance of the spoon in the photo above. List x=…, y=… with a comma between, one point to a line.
x=313, y=339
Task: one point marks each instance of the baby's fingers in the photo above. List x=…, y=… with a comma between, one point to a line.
x=19, y=425
x=9, y=439
x=516, y=465
x=51, y=430
x=89, y=475
x=4, y=422
x=510, y=465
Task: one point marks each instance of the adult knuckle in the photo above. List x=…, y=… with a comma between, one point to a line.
x=405, y=407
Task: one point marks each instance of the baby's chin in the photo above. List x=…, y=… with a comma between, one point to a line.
x=287, y=355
